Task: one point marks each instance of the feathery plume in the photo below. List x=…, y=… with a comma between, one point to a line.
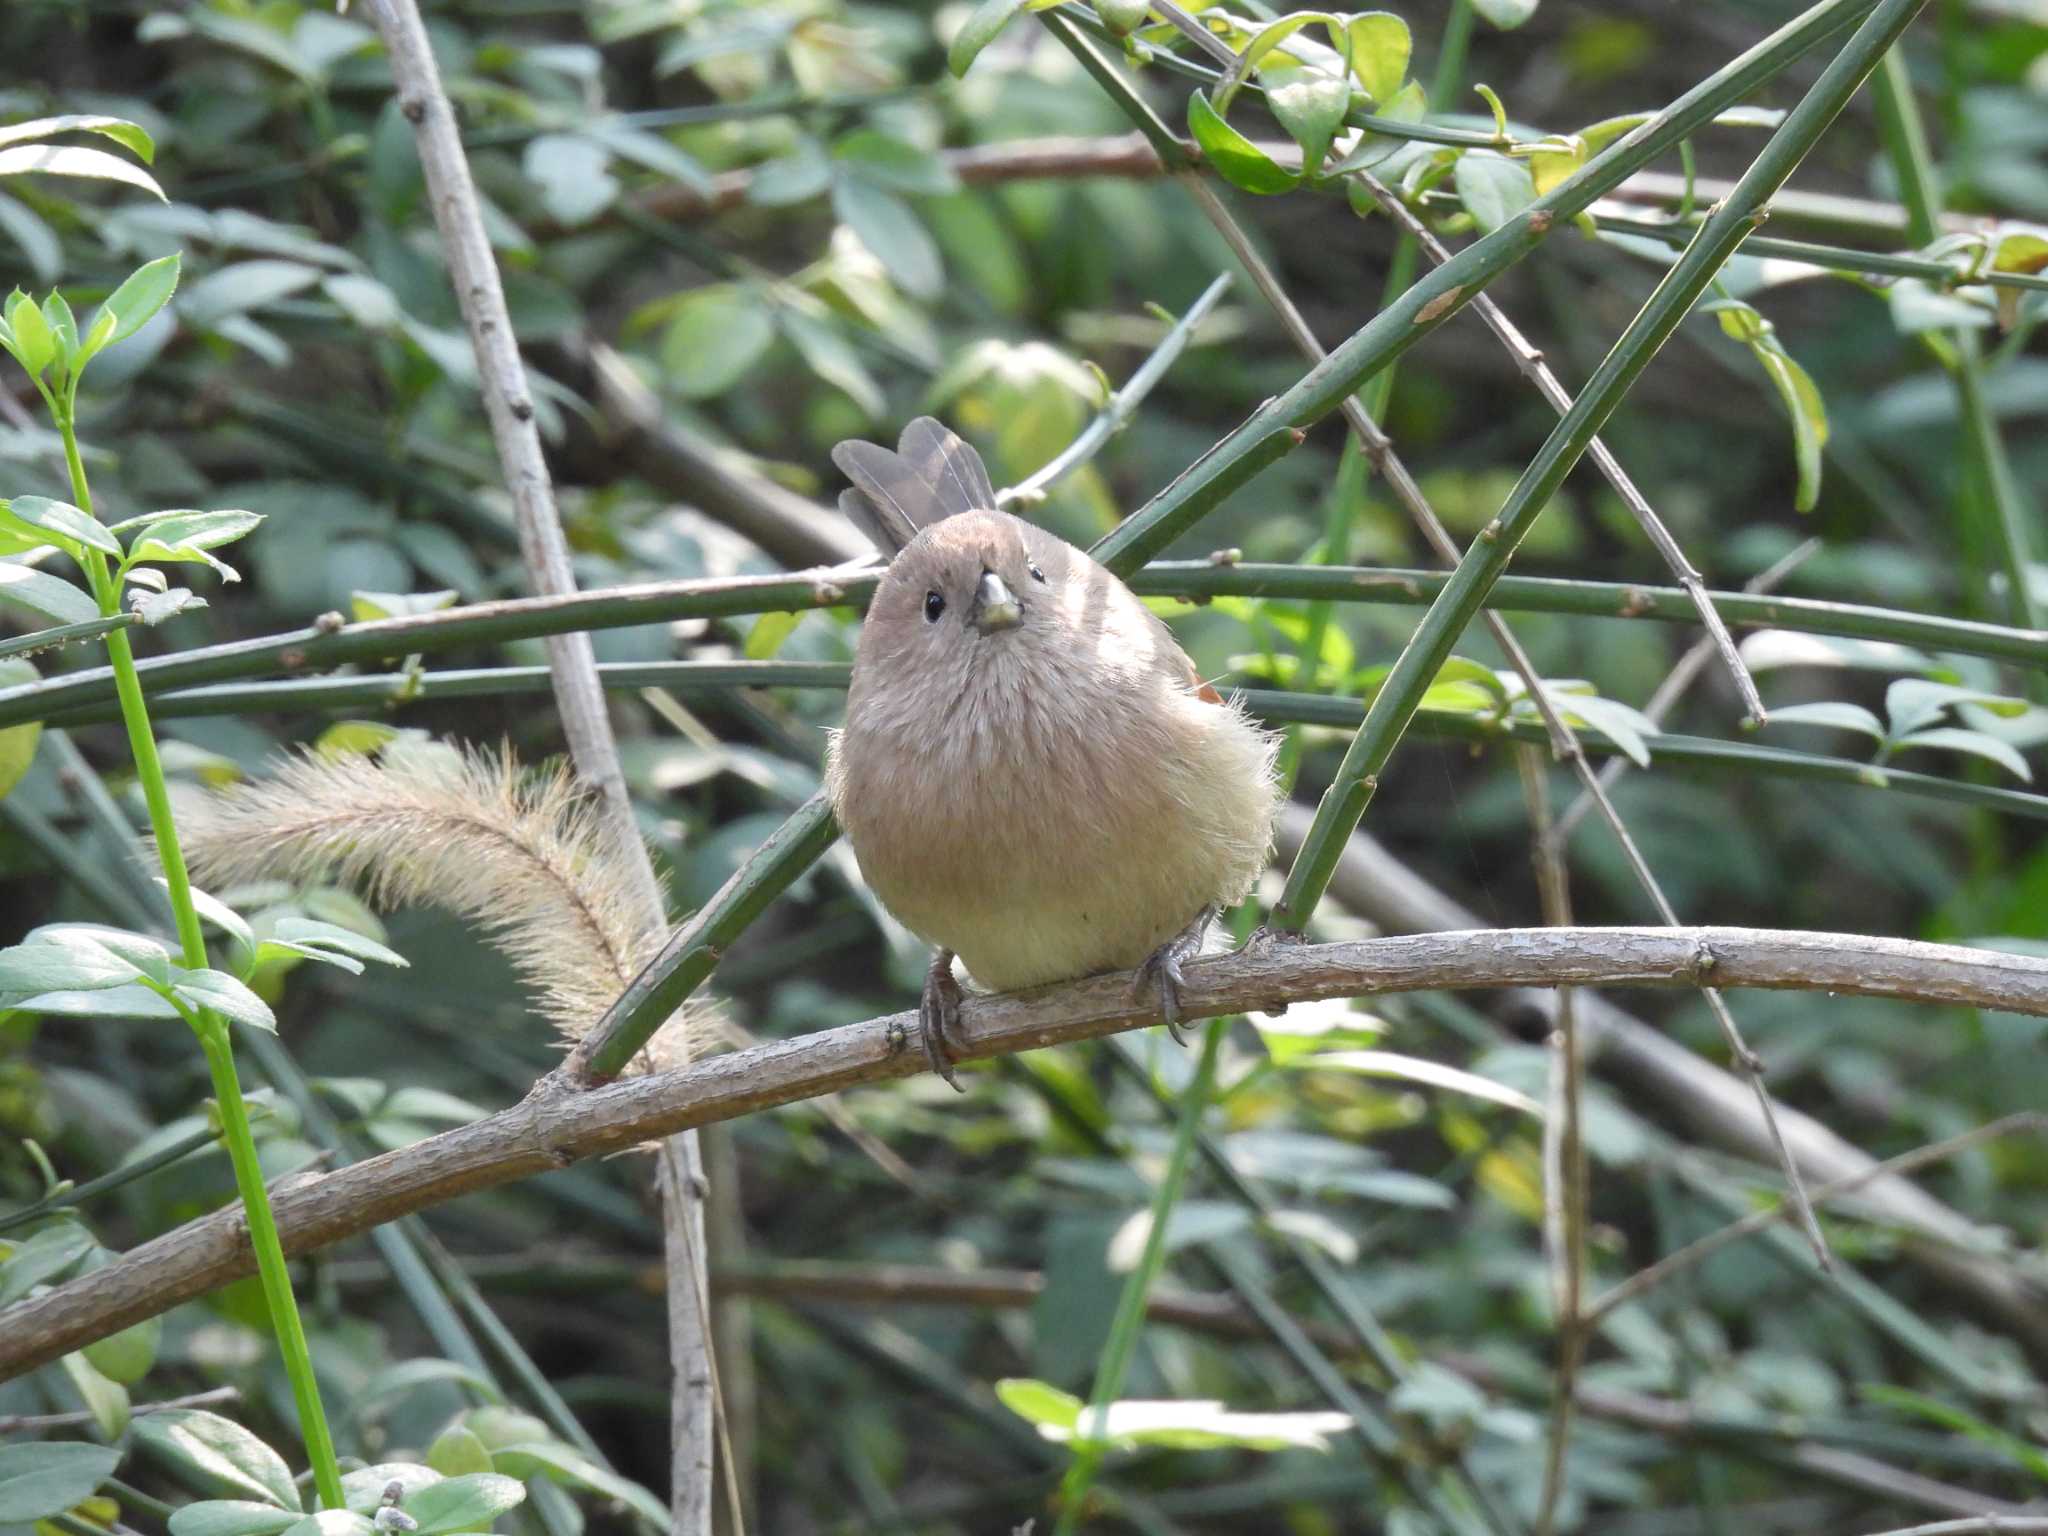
x=522, y=855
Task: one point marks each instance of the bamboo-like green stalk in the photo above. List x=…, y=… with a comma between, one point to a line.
x=1270, y=429
x=2006, y=531
x=88, y=695
x=215, y=1039
x=1401, y=695
x=65, y=634
x=1129, y=1322
x=694, y=950
x=1836, y=258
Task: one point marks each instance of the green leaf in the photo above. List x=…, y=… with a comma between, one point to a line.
x=893, y=163
x=1912, y=702
x=185, y=537
x=36, y=1260
x=1037, y=1402
x=229, y=1517
x=1918, y=306
x=105, y=1400
x=127, y=1002
x=130, y=136
x=59, y=523
x=716, y=336
x=1200, y=1425
x=49, y=1477
x=456, y=1451
x=573, y=174
x=1951, y=738
x=1192, y=1221
x=1311, y=108
x=768, y=633
x=66, y=962
x=1236, y=158
x=332, y=1522
x=887, y=227
x=797, y=177
x=1505, y=14
x=145, y=291
x=63, y=326
x=365, y=606
x=126, y=1357
x=17, y=742
x=826, y=353
x=1835, y=716
x=363, y=1489
x=1380, y=45
x=2021, y=248
x=567, y=1465
x=1492, y=187
x=35, y=347
x=306, y=933
x=1620, y=723
x=409, y=1375
x=220, y=914
x=153, y=608
x=467, y=1503
x=244, y=286
x=1122, y=17
x=221, y=1451
x=981, y=29
x=226, y=996
x=73, y=160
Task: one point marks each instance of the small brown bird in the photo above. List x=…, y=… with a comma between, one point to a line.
x=1032, y=775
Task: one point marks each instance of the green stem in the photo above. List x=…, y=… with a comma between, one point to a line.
x=213, y=1032
x=270, y=1268
x=2003, y=516
x=1130, y=1308
x=1394, y=706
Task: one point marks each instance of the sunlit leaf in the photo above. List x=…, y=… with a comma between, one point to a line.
x=1236, y=158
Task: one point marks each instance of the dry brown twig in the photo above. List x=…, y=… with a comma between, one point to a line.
x=579, y=696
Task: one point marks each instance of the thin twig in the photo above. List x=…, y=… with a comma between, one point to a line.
x=1654, y=1275
x=1120, y=406
x=27, y=1423
x=1530, y=361
x=551, y=1129
x=1681, y=677
x=579, y=695
x=1564, y=1153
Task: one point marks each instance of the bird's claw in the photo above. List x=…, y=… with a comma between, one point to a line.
x=938, y=1018
x=1163, y=970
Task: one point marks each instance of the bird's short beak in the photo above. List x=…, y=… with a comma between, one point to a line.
x=995, y=605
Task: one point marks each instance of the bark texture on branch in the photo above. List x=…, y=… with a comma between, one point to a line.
x=553, y=1127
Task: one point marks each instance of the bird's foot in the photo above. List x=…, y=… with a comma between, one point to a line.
x=938, y=1017
x=1163, y=970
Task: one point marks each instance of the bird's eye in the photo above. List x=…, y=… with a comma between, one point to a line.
x=1036, y=573
x=934, y=605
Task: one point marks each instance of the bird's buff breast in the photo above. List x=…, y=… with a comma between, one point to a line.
x=1041, y=846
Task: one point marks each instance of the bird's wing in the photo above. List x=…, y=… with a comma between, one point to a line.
x=932, y=475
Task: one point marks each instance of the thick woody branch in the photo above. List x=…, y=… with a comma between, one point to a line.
x=551, y=1128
